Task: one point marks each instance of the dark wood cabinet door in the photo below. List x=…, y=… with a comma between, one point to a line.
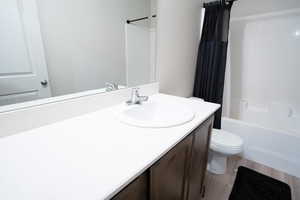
x=199, y=158
x=167, y=176
x=137, y=190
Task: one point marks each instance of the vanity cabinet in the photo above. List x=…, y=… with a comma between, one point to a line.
x=168, y=176
x=137, y=190
x=179, y=175
x=198, y=161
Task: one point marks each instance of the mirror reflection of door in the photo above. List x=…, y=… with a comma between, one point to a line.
x=23, y=70
x=77, y=46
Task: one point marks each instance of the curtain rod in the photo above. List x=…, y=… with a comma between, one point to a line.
x=139, y=19
x=218, y=2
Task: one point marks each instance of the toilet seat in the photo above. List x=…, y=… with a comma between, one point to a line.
x=225, y=142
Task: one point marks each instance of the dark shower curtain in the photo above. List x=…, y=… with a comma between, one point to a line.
x=212, y=55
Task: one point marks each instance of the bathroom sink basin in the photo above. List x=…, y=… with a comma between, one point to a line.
x=156, y=115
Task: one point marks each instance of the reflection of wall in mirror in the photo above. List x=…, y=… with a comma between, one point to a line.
x=141, y=50
x=140, y=54
x=85, y=41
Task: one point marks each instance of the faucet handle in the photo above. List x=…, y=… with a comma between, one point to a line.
x=135, y=92
x=136, y=98
x=111, y=86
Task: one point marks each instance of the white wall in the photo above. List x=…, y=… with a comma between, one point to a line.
x=243, y=8
x=178, y=39
x=85, y=41
x=265, y=69
x=71, y=63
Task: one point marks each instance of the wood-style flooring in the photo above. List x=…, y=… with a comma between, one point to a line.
x=218, y=187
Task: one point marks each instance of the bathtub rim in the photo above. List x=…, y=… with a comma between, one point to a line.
x=283, y=131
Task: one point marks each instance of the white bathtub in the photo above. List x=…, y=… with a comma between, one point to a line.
x=274, y=148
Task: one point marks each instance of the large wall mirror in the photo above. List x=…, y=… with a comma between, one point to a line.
x=53, y=48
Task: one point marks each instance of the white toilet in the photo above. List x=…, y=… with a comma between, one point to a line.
x=223, y=144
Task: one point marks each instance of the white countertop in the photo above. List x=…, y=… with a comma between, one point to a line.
x=90, y=157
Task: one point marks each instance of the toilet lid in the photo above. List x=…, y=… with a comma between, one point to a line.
x=226, y=139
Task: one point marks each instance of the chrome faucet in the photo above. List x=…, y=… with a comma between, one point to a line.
x=111, y=87
x=136, y=99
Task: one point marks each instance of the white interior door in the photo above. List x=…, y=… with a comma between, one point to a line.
x=23, y=69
